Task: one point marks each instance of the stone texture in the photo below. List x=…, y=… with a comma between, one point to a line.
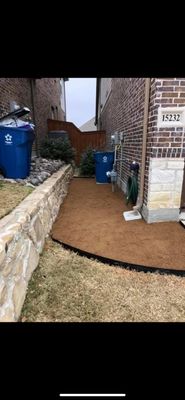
x=19, y=293
x=7, y=315
x=160, y=215
x=31, y=262
x=19, y=265
x=160, y=196
x=161, y=176
x=178, y=186
x=175, y=164
x=3, y=291
x=179, y=176
x=36, y=233
x=157, y=205
x=22, y=237
x=45, y=218
x=176, y=199
x=159, y=164
x=157, y=187
x=164, y=191
x=2, y=253
x=15, y=259
x=7, y=267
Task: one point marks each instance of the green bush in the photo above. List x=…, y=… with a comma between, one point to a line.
x=87, y=163
x=57, y=149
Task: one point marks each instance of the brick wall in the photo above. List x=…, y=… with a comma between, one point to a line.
x=47, y=94
x=165, y=179
x=168, y=142
x=14, y=89
x=164, y=142
x=124, y=112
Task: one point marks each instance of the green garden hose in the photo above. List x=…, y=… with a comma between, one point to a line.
x=132, y=189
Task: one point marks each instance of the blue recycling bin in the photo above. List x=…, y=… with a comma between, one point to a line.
x=103, y=163
x=15, y=151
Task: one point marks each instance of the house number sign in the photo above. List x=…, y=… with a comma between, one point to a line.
x=171, y=116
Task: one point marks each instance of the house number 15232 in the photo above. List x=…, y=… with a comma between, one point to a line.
x=171, y=117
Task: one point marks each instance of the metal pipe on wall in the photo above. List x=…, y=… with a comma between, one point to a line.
x=144, y=142
x=64, y=86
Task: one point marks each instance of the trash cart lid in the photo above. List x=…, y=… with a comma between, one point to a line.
x=17, y=113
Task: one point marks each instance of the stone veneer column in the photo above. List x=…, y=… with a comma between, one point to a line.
x=164, y=189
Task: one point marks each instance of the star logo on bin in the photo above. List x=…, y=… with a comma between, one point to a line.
x=8, y=137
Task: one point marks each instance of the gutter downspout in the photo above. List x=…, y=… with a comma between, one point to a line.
x=65, y=100
x=97, y=100
x=34, y=120
x=143, y=160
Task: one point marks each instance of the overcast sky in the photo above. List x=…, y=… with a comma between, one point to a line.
x=80, y=100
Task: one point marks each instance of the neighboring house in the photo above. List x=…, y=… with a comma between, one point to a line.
x=152, y=108
x=45, y=98
x=89, y=126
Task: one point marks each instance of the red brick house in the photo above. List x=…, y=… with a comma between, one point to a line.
x=45, y=98
x=150, y=115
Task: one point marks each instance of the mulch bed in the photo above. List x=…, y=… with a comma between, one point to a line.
x=91, y=219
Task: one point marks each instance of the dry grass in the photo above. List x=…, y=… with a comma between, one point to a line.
x=11, y=194
x=70, y=288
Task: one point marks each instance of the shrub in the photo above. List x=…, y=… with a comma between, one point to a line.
x=87, y=163
x=57, y=149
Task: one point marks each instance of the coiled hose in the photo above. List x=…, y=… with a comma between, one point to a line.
x=132, y=189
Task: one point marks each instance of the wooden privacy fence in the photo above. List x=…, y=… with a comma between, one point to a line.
x=79, y=140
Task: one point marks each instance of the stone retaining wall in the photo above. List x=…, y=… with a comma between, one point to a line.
x=22, y=237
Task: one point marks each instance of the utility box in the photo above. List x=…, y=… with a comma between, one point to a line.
x=115, y=138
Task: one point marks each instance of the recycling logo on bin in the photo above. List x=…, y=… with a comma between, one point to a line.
x=105, y=159
x=8, y=139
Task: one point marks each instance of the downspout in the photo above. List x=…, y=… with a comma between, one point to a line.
x=34, y=120
x=144, y=141
x=65, y=100
x=97, y=100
